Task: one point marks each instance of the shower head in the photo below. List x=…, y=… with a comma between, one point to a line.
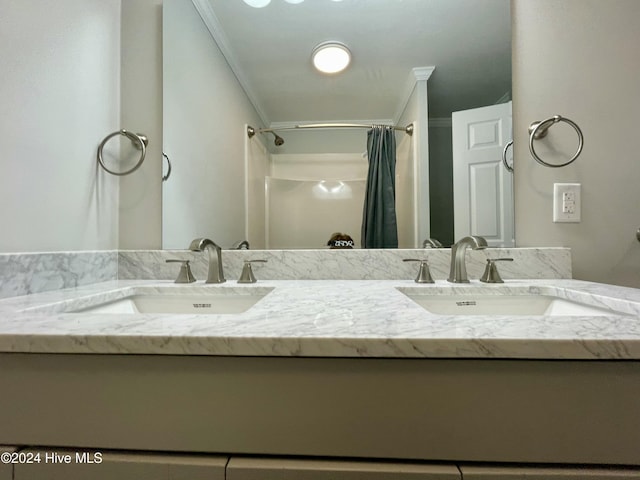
x=278, y=140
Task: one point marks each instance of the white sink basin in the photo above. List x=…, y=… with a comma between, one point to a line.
x=507, y=304
x=199, y=300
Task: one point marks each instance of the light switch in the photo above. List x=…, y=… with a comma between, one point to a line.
x=566, y=202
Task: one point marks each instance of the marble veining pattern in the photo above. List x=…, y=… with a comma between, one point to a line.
x=327, y=318
x=358, y=264
x=26, y=273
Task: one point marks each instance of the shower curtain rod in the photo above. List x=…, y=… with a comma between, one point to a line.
x=251, y=131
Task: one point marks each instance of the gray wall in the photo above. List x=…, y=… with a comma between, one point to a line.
x=60, y=96
x=441, y=183
x=579, y=58
x=140, y=213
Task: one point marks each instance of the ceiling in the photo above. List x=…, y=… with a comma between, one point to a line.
x=269, y=49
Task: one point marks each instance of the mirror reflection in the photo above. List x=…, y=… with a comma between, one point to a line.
x=228, y=65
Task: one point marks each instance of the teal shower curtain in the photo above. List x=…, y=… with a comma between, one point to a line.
x=379, y=224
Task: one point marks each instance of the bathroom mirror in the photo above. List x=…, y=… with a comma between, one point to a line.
x=262, y=76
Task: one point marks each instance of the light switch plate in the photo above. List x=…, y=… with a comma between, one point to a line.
x=566, y=202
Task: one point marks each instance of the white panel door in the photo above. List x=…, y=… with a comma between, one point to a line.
x=482, y=186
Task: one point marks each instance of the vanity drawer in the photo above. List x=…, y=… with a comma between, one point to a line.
x=6, y=468
x=96, y=465
x=543, y=473
x=240, y=468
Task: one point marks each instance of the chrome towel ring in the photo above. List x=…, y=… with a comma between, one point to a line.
x=504, y=157
x=139, y=141
x=539, y=130
x=166, y=177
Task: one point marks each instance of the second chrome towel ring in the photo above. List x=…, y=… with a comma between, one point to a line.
x=504, y=157
x=539, y=130
x=139, y=141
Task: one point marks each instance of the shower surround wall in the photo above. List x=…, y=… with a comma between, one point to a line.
x=310, y=196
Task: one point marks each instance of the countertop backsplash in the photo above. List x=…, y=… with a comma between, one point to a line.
x=339, y=264
x=26, y=273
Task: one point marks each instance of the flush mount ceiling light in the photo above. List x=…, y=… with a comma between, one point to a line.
x=257, y=3
x=331, y=57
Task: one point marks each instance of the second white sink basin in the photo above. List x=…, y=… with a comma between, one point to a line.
x=506, y=304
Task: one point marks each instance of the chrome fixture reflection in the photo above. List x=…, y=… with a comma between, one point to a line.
x=243, y=245
x=280, y=141
x=458, y=271
x=431, y=243
x=168, y=174
x=504, y=157
x=215, y=274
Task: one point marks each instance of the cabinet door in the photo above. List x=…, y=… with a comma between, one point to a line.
x=65, y=464
x=6, y=469
x=491, y=473
x=303, y=469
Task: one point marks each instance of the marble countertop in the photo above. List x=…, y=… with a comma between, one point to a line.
x=324, y=318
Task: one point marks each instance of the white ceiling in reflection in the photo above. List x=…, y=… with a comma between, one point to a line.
x=269, y=48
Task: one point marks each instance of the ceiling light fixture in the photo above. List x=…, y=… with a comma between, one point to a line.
x=257, y=3
x=331, y=57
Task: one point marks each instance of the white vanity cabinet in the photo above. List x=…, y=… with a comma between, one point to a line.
x=6, y=468
x=241, y=468
x=544, y=473
x=66, y=464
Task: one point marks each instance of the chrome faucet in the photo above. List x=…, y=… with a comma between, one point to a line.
x=431, y=243
x=458, y=271
x=216, y=274
x=243, y=245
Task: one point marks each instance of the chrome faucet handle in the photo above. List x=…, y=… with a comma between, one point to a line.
x=247, y=275
x=185, y=275
x=424, y=275
x=491, y=274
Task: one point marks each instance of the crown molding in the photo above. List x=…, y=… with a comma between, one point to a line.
x=204, y=9
x=417, y=74
x=422, y=73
